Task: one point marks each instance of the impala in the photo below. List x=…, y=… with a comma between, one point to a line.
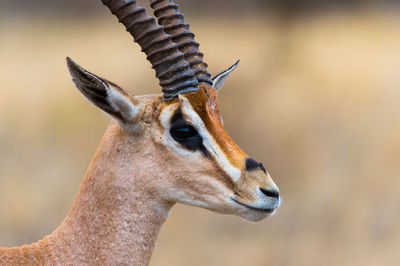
x=157, y=150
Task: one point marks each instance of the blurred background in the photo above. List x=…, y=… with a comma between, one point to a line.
x=316, y=98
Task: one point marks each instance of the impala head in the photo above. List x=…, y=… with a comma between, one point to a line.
x=193, y=159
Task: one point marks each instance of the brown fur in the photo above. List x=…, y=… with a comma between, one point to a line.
x=205, y=104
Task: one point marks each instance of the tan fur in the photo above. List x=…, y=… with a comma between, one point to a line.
x=131, y=185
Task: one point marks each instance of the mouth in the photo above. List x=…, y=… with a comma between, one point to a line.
x=264, y=210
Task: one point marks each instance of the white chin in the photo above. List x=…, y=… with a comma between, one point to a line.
x=255, y=216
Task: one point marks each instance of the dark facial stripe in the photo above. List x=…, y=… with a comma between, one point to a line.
x=177, y=120
x=194, y=142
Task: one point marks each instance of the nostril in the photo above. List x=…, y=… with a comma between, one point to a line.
x=252, y=165
x=270, y=193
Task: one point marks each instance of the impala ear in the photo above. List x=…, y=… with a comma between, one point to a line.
x=219, y=79
x=106, y=95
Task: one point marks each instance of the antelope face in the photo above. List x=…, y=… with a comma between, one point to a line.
x=209, y=170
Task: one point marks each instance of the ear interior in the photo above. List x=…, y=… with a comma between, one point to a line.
x=219, y=79
x=106, y=95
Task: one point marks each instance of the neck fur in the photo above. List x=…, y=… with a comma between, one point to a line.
x=115, y=215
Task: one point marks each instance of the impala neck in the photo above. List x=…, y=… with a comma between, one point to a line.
x=115, y=219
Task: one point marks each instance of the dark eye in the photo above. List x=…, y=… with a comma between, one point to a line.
x=183, y=132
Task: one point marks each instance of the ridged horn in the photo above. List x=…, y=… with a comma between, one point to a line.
x=172, y=69
x=168, y=16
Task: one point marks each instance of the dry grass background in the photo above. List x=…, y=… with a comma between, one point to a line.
x=317, y=101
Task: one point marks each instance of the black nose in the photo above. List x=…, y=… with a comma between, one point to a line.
x=252, y=165
x=270, y=193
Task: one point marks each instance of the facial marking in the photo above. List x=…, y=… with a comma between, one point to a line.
x=209, y=142
x=204, y=102
x=165, y=120
x=169, y=117
x=191, y=140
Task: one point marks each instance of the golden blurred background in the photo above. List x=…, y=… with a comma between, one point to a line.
x=316, y=98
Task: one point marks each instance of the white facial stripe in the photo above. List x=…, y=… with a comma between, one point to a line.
x=208, y=141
